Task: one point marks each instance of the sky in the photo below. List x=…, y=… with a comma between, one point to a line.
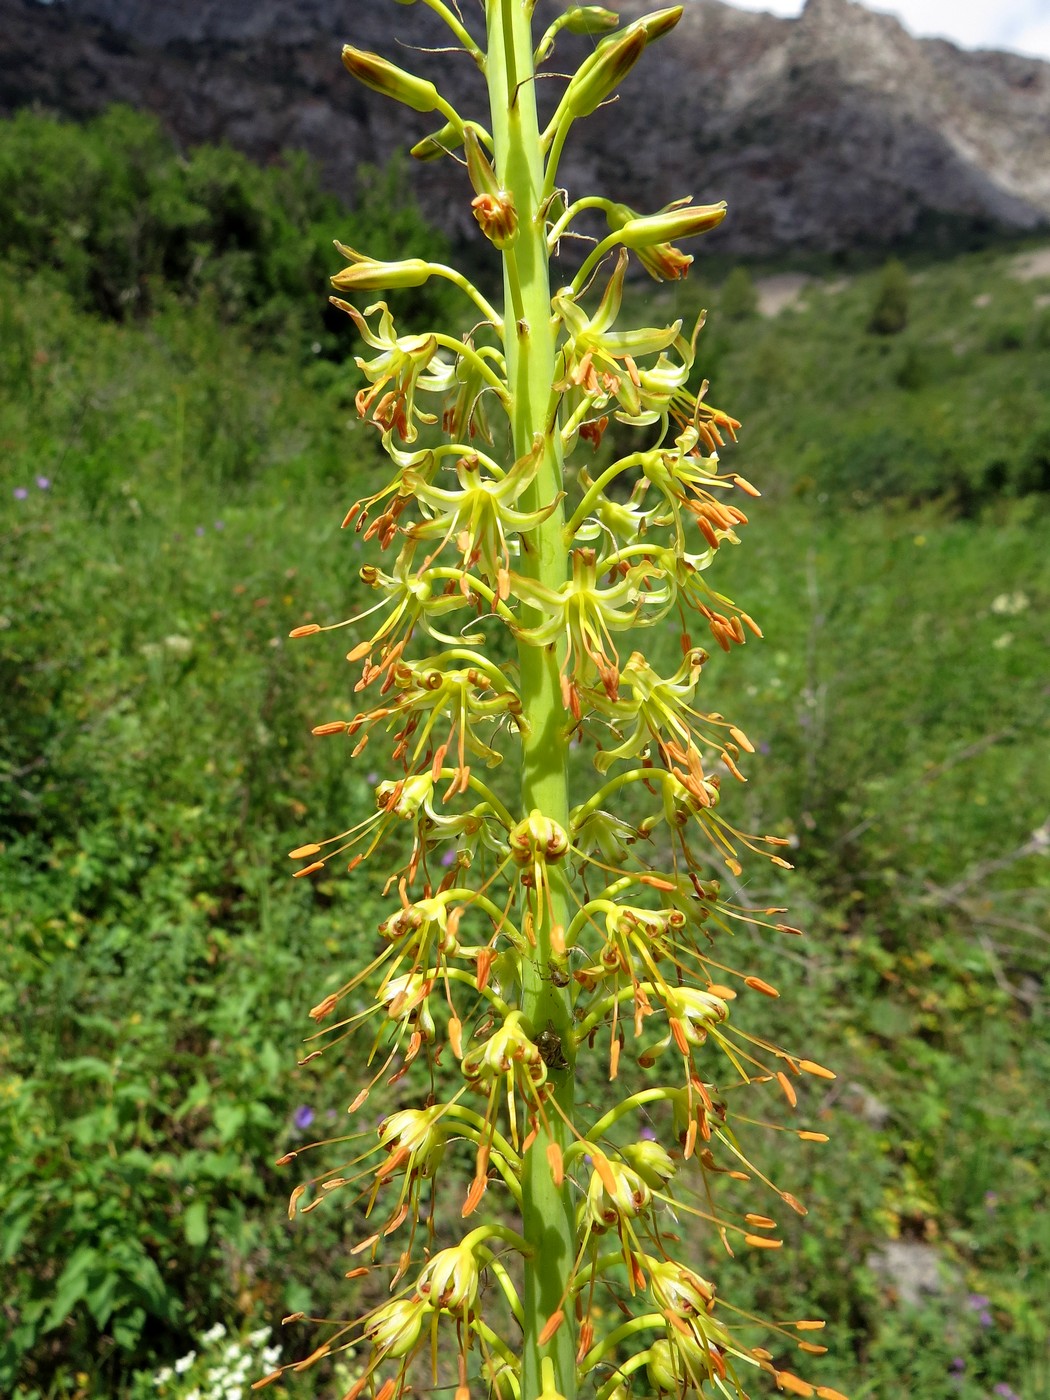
x=1022, y=26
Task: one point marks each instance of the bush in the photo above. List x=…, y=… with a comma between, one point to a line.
x=889, y=314
x=125, y=220
x=739, y=298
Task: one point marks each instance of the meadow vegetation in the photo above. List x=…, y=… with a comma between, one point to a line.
x=179, y=448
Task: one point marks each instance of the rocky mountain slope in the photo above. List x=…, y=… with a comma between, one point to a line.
x=831, y=131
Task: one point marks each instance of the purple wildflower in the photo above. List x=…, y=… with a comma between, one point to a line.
x=304, y=1116
x=977, y=1302
x=199, y=531
x=448, y=858
x=958, y=1364
x=43, y=483
x=647, y=1134
x=1005, y=1391
x=20, y=493
x=985, y=1318
x=220, y=525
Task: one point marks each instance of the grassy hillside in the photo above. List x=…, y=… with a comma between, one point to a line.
x=173, y=486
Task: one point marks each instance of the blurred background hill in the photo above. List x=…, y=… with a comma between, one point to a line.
x=832, y=132
x=179, y=445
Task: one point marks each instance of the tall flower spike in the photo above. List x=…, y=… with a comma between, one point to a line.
x=560, y=919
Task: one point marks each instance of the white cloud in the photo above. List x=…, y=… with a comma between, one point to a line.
x=1020, y=25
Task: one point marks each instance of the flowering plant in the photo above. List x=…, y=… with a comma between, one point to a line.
x=219, y=1368
x=532, y=923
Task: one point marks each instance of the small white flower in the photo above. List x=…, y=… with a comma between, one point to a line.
x=184, y=1363
x=163, y=1375
x=258, y=1336
x=213, y=1334
x=193, y=1395
x=1010, y=604
x=270, y=1357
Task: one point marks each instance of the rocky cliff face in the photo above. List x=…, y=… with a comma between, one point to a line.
x=830, y=131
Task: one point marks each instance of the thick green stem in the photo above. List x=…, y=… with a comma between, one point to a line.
x=529, y=344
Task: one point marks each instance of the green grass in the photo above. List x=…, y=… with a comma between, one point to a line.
x=156, y=764
x=952, y=409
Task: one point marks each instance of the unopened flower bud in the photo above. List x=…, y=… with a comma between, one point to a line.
x=602, y=71
x=578, y=19
x=680, y=1365
x=367, y=275
x=659, y=22
x=590, y=19
x=652, y=1163
x=382, y=76
x=438, y=143
x=394, y=1328
x=687, y=221
x=661, y=1368
x=502, y=1379
x=611, y=61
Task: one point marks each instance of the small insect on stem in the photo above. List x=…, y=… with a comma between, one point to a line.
x=558, y=975
x=548, y=1043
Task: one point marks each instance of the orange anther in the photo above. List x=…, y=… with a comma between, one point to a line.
x=757, y=985
x=550, y=1327
x=811, y=1067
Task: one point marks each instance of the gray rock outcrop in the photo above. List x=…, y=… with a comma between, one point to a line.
x=827, y=132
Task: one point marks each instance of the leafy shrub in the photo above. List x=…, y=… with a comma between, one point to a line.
x=913, y=372
x=125, y=220
x=739, y=298
x=1005, y=337
x=889, y=314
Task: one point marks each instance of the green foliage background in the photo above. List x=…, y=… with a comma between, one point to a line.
x=180, y=445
